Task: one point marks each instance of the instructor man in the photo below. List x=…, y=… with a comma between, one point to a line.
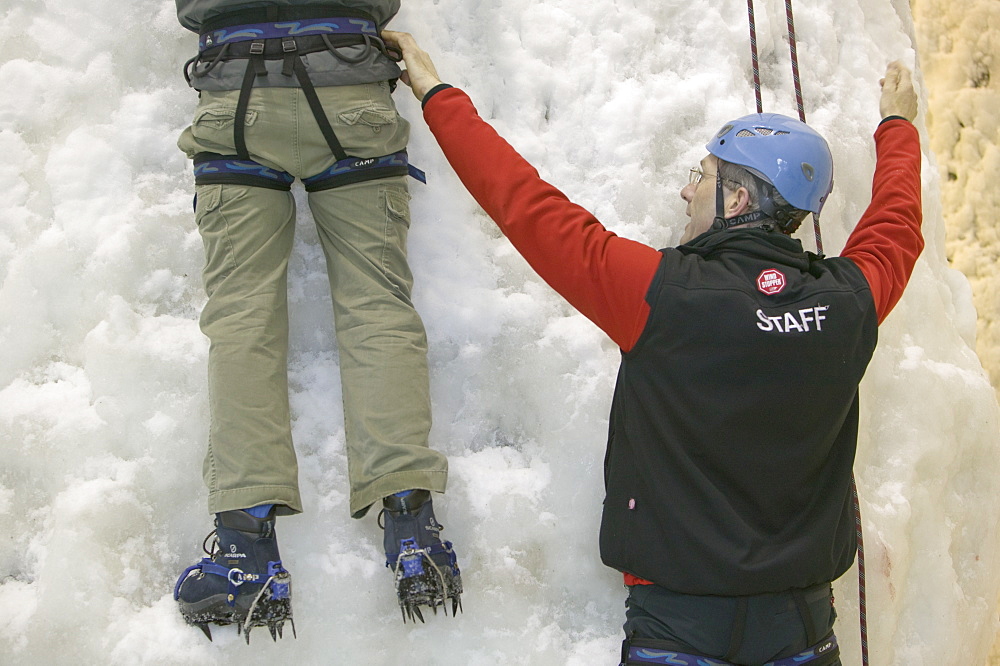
x=734, y=422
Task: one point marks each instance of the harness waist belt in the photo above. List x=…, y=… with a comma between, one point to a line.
x=275, y=49
x=280, y=30
x=276, y=13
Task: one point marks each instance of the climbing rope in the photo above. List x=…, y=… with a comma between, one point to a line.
x=753, y=57
x=790, y=20
x=862, y=605
x=795, y=60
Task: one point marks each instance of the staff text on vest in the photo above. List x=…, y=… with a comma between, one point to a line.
x=804, y=320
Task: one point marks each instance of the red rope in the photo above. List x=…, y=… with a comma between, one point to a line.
x=795, y=60
x=753, y=56
x=862, y=601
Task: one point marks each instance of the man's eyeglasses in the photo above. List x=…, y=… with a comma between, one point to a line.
x=697, y=174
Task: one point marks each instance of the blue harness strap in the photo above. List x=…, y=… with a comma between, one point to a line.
x=824, y=653
x=301, y=28
x=213, y=169
x=358, y=169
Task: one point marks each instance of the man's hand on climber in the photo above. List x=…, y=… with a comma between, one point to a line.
x=420, y=74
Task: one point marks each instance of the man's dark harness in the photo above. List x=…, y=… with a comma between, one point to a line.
x=641, y=651
x=287, y=34
x=825, y=651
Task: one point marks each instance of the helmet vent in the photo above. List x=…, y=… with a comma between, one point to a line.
x=780, y=132
x=744, y=133
x=765, y=131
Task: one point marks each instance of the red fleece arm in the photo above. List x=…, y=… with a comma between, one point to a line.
x=887, y=240
x=603, y=276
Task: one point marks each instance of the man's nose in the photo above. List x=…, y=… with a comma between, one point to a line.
x=687, y=192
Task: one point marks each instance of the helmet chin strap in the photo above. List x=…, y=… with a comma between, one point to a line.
x=768, y=214
x=720, y=221
x=720, y=214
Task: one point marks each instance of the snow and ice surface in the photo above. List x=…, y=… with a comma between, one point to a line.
x=102, y=369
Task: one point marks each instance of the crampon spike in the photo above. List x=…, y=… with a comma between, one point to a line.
x=204, y=628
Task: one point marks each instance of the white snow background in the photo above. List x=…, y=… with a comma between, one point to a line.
x=102, y=367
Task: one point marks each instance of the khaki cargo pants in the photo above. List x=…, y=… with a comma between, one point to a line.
x=247, y=233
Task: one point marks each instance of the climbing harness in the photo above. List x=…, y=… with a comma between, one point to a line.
x=287, y=34
x=822, y=650
x=862, y=602
x=639, y=651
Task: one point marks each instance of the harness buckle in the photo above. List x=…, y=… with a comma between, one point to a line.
x=257, y=47
x=288, y=45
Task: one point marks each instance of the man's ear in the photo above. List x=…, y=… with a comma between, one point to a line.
x=738, y=203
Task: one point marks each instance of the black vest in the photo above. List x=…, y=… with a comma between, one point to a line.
x=735, y=416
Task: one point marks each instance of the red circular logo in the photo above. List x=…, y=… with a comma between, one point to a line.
x=771, y=281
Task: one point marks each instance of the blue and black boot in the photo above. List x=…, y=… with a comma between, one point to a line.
x=426, y=569
x=241, y=581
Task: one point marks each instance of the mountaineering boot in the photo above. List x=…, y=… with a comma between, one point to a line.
x=426, y=569
x=241, y=581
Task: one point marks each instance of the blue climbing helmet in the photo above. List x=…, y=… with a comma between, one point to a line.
x=783, y=151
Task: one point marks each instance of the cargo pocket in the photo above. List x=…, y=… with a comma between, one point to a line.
x=371, y=128
x=374, y=117
x=219, y=257
x=215, y=118
x=207, y=199
x=396, y=199
x=212, y=127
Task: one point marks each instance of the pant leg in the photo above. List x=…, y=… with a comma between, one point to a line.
x=383, y=347
x=380, y=337
x=247, y=234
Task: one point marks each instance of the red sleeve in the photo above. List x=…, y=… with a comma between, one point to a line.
x=887, y=241
x=603, y=276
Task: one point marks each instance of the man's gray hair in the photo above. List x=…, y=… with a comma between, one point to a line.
x=735, y=177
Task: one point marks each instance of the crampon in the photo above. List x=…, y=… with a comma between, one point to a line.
x=238, y=583
x=426, y=569
x=420, y=581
